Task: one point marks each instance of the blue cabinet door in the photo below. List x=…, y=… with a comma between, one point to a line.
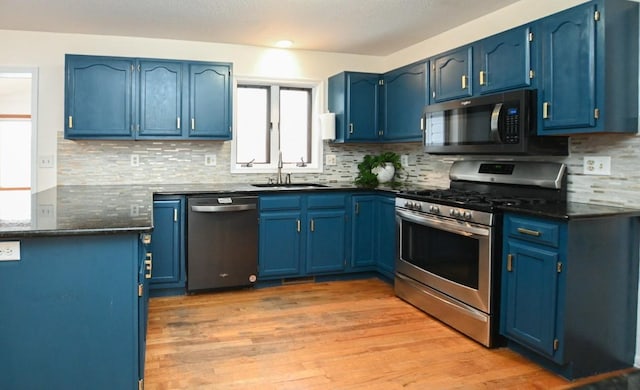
x=209, y=101
x=568, y=94
x=160, y=111
x=363, y=231
x=325, y=244
x=529, y=295
x=98, y=97
x=166, y=244
x=354, y=98
x=505, y=61
x=362, y=106
x=386, y=239
x=452, y=74
x=406, y=92
x=280, y=244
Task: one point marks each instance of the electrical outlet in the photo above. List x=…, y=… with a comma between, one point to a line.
x=134, y=211
x=330, y=159
x=404, y=160
x=45, y=161
x=135, y=160
x=597, y=165
x=210, y=160
x=9, y=250
x=46, y=211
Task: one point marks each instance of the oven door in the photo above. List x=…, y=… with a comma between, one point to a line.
x=450, y=256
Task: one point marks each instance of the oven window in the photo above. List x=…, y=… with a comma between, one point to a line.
x=448, y=255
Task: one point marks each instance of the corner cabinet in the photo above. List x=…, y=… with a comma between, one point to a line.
x=354, y=98
x=131, y=98
x=590, y=69
x=373, y=233
x=405, y=93
x=169, y=274
x=569, y=291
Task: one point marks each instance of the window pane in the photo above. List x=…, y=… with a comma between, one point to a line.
x=295, y=121
x=15, y=153
x=253, y=125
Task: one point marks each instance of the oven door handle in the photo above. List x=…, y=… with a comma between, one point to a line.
x=441, y=224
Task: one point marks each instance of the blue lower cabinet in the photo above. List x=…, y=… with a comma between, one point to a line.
x=326, y=241
x=386, y=239
x=569, y=293
x=301, y=235
x=168, y=272
x=77, y=324
x=363, y=231
x=280, y=242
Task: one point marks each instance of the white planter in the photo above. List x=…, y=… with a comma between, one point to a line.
x=384, y=174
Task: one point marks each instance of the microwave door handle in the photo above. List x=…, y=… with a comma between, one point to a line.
x=495, y=124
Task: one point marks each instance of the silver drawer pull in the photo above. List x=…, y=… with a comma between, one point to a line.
x=528, y=232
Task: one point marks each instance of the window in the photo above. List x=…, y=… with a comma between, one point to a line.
x=274, y=122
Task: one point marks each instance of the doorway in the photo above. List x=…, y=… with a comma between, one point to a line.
x=17, y=143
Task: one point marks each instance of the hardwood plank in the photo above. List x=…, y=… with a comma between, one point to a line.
x=335, y=335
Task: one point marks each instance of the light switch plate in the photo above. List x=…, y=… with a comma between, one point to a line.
x=597, y=165
x=135, y=160
x=330, y=159
x=404, y=160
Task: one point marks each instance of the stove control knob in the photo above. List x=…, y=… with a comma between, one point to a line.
x=434, y=209
x=417, y=206
x=454, y=213
x=407, y=204
x=467, y=215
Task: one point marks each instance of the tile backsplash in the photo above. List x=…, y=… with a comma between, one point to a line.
x=171, y=162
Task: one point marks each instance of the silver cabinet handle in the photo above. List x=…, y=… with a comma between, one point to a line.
x=483, y=75
x=529, y=232
x=223, y=209
x=465, y=81
x=545, y=110
x=350, y=128
x=178, y=123
x=193, y=123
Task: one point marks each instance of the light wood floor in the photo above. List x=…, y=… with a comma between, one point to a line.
x=337, y=335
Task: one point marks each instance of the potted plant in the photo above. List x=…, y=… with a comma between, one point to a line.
x=383, y=168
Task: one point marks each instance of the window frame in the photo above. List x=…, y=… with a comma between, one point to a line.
x=315, y=145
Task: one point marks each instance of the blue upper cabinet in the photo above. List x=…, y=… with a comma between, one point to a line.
x=354, y=98
x=210, y=101
x=405, y=93
x=160, y=98
x=107, y=114
x=451, y=74
x=590, y=69
x=504, y=61
x=129, y=98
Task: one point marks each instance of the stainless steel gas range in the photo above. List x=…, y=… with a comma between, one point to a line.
x=449, y=240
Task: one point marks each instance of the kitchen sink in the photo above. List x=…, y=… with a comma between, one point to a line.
x=289, y=185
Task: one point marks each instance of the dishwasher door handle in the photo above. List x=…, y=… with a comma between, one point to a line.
x=223, y=208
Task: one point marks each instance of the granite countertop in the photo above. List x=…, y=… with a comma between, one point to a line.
x=109, y=209
x=571, y=210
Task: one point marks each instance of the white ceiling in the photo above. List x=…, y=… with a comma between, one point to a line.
x=371, y=27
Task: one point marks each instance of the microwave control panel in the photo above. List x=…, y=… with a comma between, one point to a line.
x=512, y=124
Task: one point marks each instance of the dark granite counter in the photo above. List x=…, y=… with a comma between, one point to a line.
x=74, y=210
x=571, y=210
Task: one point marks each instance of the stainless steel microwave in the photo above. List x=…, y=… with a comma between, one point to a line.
x=498, y=124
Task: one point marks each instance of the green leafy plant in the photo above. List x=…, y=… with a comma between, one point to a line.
x=368, y=179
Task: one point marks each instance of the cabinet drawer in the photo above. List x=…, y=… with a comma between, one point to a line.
x=326, y=201
x=280, y=202
x=541, y=232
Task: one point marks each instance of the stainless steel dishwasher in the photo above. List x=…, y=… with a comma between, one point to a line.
x=222, y=241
